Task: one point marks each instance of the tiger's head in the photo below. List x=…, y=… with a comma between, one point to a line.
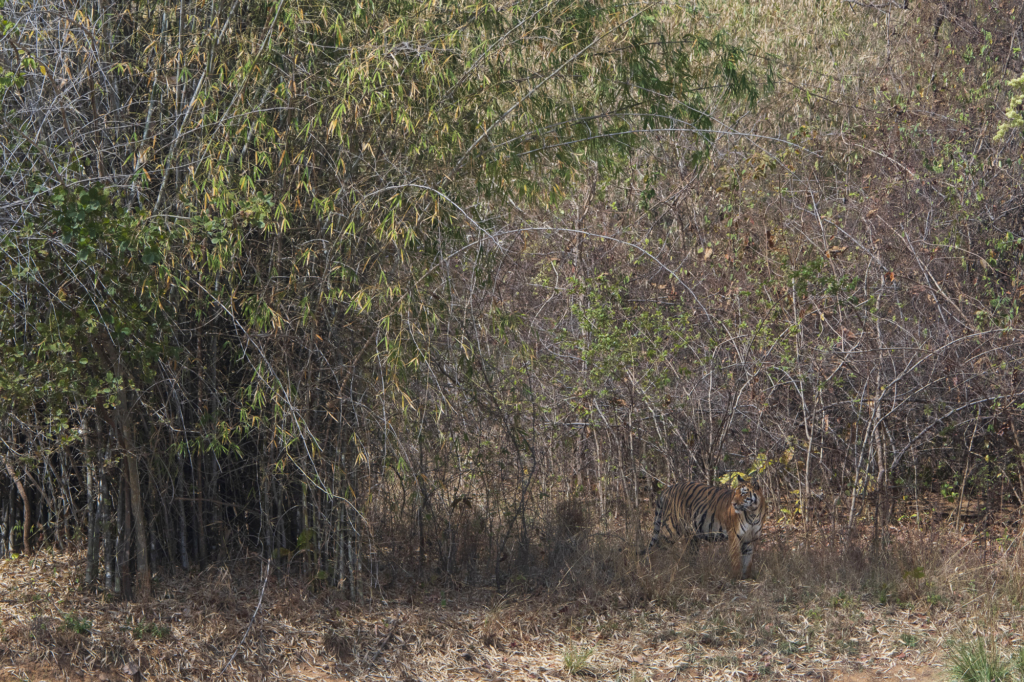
x=746, y=499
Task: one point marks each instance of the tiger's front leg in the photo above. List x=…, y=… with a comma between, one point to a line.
x=747, y=551
x=737, y=556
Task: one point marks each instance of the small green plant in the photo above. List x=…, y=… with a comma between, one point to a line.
x=916, y=582
x=977, y=661
x=915, y=574
x=76, y=624
x=841, y=601
x=789, y=648
x=151, y=631
x=909, y=640
x=576, y=660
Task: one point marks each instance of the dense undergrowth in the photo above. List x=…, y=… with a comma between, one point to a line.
x=820, y=605
x=400, y=295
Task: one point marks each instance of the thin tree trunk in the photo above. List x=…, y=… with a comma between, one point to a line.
x=200, y=509
x=11, y=520
x=40, y=517
x=341, y=564
x=303, y=521
x=26, y=505
x=107, y=526
x=267, y=526
x=51, y=502
x=93, y=542
x=856, y=480
x=281, y=516
x=354, y=564
x=963, y=481
x=182, y=519
x=219, y=531
x=5, y=520
x=121, y=583
x=143, y=585
x=71, y=512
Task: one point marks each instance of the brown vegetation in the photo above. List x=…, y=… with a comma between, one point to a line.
x=820, y=608
x=431, y=299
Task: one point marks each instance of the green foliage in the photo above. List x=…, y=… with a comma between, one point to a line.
x=76, y=624
x=79, y=306
x=1014, y=109
x=336, y=160
x=344, y=191
x=13, y=79
x=151, y=631
x=616, y=342
x=909, y=640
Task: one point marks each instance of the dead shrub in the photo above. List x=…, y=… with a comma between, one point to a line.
x=572, y=517
x=116, y=649
x=339, y=646
x=566, y=534
x=464, y=543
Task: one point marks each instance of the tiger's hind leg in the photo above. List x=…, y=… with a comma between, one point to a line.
x=659, y=512
x=688, y=549
x=691, y=546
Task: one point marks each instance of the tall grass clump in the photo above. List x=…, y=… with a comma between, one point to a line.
x=979, y=660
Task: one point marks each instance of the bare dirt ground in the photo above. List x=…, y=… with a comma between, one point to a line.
x=206, y=625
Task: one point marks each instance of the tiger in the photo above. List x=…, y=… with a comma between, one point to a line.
x=696, y=511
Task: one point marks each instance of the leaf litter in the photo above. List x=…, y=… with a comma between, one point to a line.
x=205, y=625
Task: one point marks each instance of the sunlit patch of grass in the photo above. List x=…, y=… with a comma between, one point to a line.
x=978, y=660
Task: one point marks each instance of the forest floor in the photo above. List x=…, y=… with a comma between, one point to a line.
x=812, y=614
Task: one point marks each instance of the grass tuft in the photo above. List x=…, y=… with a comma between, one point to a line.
x=151, y=631
x=1018, y=664
x=978, y=661
x=576, y=660
x=76, y=624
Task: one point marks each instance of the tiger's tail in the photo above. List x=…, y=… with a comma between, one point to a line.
x=659, y=512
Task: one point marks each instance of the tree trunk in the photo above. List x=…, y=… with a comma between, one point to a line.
x=122, y=585
x=182, y=519
x=93, y=542
x=105, y=524
x=200, y=510
x=143, y=586
x=26, y=505
x=5, y=519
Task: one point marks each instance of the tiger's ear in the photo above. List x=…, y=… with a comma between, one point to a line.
x=740, y=478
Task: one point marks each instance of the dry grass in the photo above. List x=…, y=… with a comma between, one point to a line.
x=815, y=609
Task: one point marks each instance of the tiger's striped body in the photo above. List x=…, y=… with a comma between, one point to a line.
x=694, y=511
